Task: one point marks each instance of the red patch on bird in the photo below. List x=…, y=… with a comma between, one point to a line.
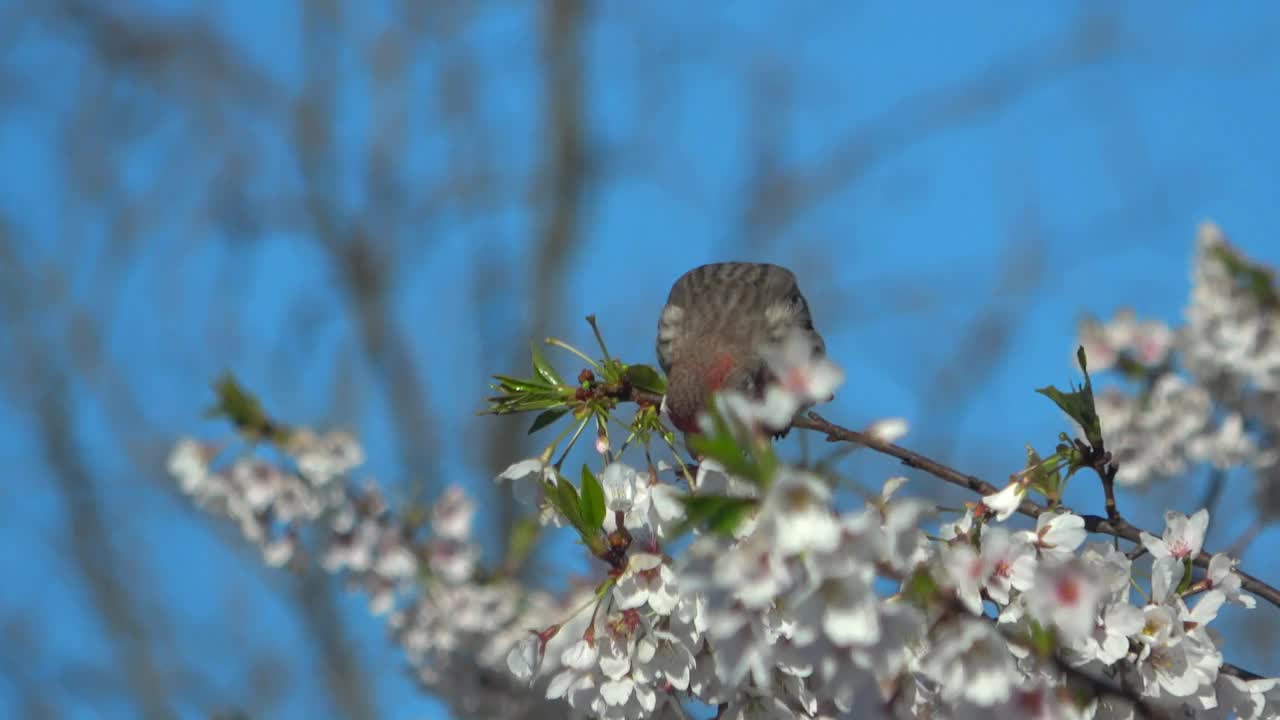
x=719, y=370
x=685, y=423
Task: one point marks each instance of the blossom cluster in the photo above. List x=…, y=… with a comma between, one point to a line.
x=740, y=587
x=807, y=611
x=455, y=626
x=1204, y=393
x=790, y=618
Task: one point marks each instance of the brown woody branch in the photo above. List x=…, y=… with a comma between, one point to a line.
x=1118, y=527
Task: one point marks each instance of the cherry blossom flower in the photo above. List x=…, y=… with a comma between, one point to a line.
x=647, y=580
x=1222, y=576
x=1243, y=699
x=1005, y=502
x=529, y=493
x=1008, y=563
x=322, y=457
x=965, y=571
x=1183, y=536
x=525, y=657
x=1109, y=642
x=1065, y=595
x=806, y=375
x=971, y=660
x=619, y=484
x=1057, y=534
x=798, y=506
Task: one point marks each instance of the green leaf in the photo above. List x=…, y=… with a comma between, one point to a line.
x=569, y=504
x=243, y=410
x=546, y=418
x=1042, y=639
x=1044, y=476
x=755, y=463
x=1185, y=582
x=643, y=377
x=543, y=368
x=721, y=514
x=1078, y=404
x=921, y=589
x=511, y=384
x=564, y=498
x=1255, y=279
x=593, y=508
x=557, y=501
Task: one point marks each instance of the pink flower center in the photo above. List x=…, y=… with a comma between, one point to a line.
x=1068, y=591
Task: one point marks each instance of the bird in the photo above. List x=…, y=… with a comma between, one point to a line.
x=718, y=323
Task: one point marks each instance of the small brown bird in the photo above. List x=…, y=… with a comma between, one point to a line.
x=717, y=320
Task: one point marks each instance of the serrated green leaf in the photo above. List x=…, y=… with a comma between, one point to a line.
x=514, y=384
x=593, y=507
x=643, y=377
x=524, y=401
x=546, y=418
x=543, y=369
x=1078, y=404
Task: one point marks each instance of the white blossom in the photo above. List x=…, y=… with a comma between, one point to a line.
x=1005, y=502
x=1008, y=563
x=798, y=507
x=647, y=580
x=525, y=657
x=971, y=660
x=1222, y=576
x=527, y=492
x=1183, y=536
x=619, y=484
x=1057, y=534
x=1065, y=595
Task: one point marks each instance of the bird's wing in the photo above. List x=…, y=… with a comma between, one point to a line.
x=786, y=309
x=670, y=327
x=713, y=290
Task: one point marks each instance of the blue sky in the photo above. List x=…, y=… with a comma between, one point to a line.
x=1006, y=170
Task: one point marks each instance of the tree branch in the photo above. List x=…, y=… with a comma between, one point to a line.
x=1118, y=527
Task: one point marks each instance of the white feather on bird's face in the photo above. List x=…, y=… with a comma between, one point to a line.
x=717, y=321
